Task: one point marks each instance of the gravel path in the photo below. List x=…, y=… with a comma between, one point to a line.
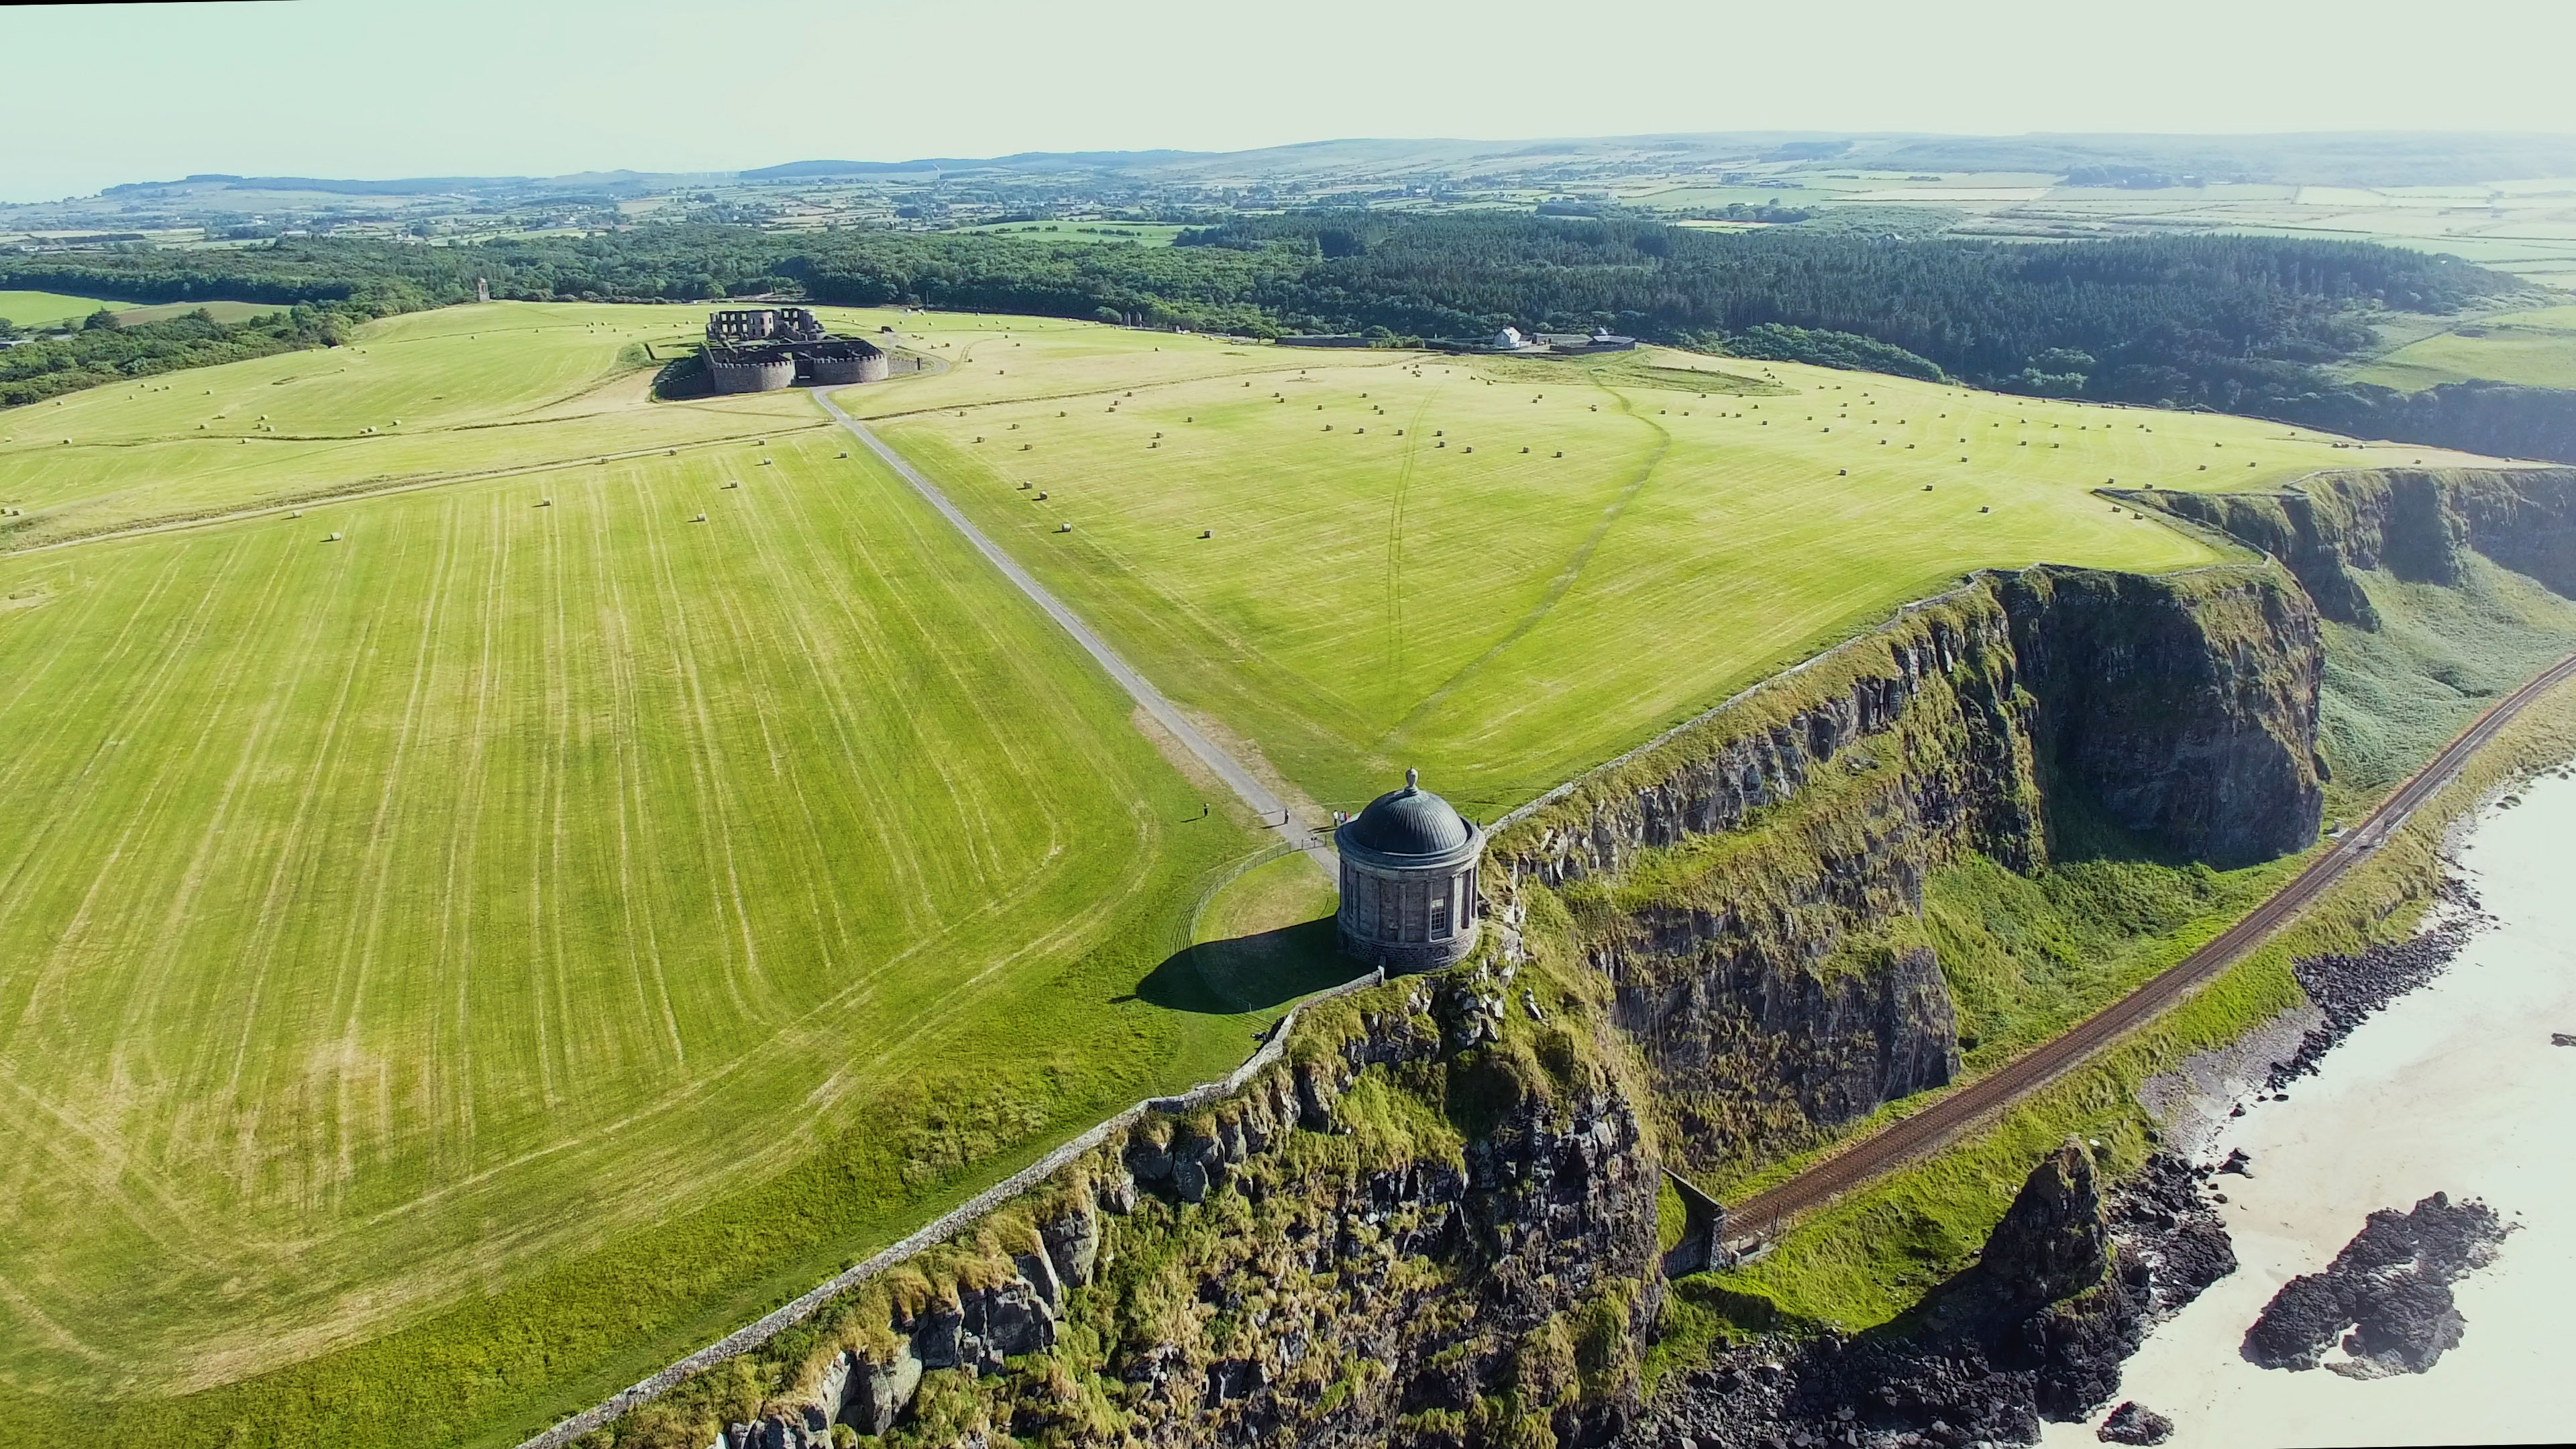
x=1274, y=814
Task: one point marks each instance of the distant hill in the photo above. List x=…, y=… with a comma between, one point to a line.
x=2320, y=159
x=1021, y=161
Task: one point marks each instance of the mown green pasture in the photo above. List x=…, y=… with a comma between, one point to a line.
x=40, y=309
x=434, y=398
x=449, y=970
x=1503, y=571
x=2535, y=349
x=431, y=397
x=128, y=316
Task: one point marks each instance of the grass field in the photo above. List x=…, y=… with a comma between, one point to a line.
x=38, y=309
x=1400, y=568
x=2535, y=349
x=542, y=934
x=429, y=397
x=220, y=311
x=447, y=970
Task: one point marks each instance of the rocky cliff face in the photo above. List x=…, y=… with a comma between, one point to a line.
x=2419, y=524
x=2069, y=1283
x=2499, y=419
x=1436, y=1224
x=1732, y=882
x=2188, y=713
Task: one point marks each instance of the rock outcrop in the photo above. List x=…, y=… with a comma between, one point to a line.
x=2054, y=1242
x=1326, y=1259
x=2067, y=1286
x=2420, y=524
x=1735, y=881
x=2391, y=1285
x=2134, y=1423
x=2186, y=710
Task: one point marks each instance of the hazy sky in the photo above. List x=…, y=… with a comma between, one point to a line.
x=94, y=95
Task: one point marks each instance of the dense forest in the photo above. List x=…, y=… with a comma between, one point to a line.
x=2239, y=324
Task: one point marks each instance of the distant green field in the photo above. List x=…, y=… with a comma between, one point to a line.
x=449, y=970
x=1403, y=572
x=38, y=309
x=220, y=311
x=2535, y=349
x=433, y=396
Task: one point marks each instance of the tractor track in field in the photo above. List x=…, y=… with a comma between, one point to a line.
x=1395, y=545
x=1933, y=1127
x=1558, y=587
x=363, y=492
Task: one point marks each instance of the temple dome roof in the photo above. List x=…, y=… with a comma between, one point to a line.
x=1410, y=821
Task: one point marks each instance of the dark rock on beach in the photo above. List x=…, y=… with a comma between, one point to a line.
x=2391, y=1285
x=2350, y=989
x=2069, y=1283
x=2134, y=1423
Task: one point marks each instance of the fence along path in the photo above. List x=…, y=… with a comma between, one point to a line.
x=778, y=1320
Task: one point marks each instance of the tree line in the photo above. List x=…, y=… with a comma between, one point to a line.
x=2237, y=324
x=101, y=352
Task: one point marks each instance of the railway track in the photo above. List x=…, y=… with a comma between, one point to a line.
x=1767, y=1211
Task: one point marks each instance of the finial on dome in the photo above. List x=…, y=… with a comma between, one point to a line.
x=1413, y=779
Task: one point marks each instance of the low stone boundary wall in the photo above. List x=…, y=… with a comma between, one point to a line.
x=778, y=1320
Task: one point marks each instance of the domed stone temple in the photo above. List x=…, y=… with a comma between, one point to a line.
x=1408, y=881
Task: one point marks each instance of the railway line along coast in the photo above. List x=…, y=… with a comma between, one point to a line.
x=1925, y=1131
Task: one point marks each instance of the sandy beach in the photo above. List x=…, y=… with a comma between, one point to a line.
x=2455, y=1088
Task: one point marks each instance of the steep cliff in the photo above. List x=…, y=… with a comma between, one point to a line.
x=2068, y=1284
x=2417, y=523
x=2500, y=419
x=1737, y=882
x=2188, y=712
x=1433, y=1222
